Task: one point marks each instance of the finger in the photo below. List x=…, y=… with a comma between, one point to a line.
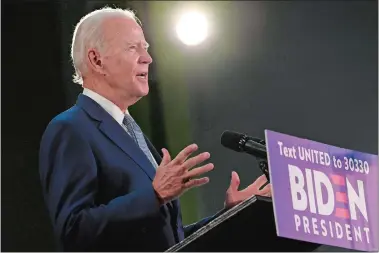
x=260, y=181
x=193, y=161
x=196, y=182
x=185, y=153
x=266, y=190
x=234, y=181
x=198, y=171
x=267, y=194
x=166, y=157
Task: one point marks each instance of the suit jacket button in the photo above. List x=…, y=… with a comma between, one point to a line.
x=143, y=230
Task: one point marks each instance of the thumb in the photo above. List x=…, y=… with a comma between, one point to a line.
x=234, y=182
x=166, y=157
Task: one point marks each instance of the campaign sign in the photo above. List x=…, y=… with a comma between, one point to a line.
x=323, y=194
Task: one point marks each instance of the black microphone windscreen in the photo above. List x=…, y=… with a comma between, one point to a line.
x=231, y=140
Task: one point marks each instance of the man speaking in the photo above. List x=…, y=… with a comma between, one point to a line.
x=105, y=186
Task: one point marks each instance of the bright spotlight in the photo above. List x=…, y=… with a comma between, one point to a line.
x=192, y=28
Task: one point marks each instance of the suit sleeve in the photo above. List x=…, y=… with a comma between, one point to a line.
x=69, y=179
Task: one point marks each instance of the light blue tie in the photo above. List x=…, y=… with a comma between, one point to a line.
x=136, y=133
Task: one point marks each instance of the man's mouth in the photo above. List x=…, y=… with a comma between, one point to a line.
x=142, y=75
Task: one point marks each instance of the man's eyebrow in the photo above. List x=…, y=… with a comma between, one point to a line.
x=145, y=44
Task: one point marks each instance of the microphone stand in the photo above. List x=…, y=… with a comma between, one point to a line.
x=262, y=162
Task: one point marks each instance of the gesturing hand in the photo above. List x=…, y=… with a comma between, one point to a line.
x=234, y=196
x=174, y=177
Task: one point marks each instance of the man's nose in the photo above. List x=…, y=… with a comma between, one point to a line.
x=146, y=58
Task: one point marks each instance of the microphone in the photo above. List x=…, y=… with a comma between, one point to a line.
x=250, y=145
x=243, y=143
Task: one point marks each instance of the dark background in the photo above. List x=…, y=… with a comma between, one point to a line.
x=305, y=68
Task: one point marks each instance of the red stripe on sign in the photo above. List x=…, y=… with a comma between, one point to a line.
x=342, y=213
x=341, y=197
x=337, y=180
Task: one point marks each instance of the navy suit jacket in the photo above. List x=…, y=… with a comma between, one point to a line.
x=97, y=185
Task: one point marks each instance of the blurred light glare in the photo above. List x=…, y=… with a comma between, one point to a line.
x=192, y=28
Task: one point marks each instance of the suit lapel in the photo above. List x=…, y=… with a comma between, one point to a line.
x=122, y=139
x=154, y=152
x=110, y=128
x=158, y=159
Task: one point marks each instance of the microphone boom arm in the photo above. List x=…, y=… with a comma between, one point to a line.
x=262, y=163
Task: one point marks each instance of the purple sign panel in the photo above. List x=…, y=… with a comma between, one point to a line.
x=323, y=194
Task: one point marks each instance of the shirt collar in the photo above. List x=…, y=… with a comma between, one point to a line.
x=107, y=105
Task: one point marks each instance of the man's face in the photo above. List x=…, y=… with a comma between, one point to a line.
x=125, y=59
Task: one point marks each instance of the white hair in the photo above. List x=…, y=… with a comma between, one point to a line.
x=88, y=33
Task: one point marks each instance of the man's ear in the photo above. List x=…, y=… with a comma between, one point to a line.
x=95, y=61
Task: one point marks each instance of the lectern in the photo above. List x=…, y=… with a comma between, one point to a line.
x=249, y=226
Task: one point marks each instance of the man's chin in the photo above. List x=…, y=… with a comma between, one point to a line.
x=144, y=91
